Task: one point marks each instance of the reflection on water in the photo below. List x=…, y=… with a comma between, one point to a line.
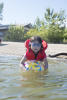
x=18, y=85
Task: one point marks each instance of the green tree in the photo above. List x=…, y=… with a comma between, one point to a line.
x=55, y=23
x=37, y=23
x=1, y=10
x=42, y=32
x=15, y=33
x=65, y=36
x=53, y=18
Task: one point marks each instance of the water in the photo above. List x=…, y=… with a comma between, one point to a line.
x=18, y=85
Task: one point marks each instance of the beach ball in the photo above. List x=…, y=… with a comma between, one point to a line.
x=36, y=66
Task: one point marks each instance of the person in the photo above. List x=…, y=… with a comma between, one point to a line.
x=35, y=51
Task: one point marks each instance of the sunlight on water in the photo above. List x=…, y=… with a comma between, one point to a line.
x=46, y=85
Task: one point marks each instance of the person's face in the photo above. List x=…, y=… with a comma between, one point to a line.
x=35, y=46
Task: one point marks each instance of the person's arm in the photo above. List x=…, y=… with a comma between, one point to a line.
x=23, y=61
x=45, y=63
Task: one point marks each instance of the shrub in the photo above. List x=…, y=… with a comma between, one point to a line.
x=34, y=32
x=15, y=33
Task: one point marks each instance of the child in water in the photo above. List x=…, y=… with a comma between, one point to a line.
x=35, y=51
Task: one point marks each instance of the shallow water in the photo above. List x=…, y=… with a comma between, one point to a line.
x=18, y=85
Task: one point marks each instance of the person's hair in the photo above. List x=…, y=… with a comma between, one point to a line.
x=36, y=38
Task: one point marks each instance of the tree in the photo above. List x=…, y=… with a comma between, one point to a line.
x=37, y=23
x=42, y=32
x=55, y=23
x=53, y=18
x=15, y=33
x=1, y=10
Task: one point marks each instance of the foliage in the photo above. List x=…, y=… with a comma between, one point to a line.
x=56, y=25
x=53, y=18
x=55, y=34
x=42, y=32
x=37, y=23
x=15, y=33
x=1, y=10
x=65, y=36
x=51, y=28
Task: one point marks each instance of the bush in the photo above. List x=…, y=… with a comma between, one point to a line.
x=35, y=32
x=55, y=34
x=15, y=33
x=64, y=40
x=65, y=36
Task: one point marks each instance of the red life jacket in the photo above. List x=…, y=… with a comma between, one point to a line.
x=30, y=54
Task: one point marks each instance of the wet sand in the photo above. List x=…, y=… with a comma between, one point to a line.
x=17, y=48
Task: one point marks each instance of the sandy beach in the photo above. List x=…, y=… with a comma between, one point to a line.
x=17, y=48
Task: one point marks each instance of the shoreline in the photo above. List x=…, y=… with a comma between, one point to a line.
x=18, y=48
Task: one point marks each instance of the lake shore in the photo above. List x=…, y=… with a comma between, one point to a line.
x=18, y=48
